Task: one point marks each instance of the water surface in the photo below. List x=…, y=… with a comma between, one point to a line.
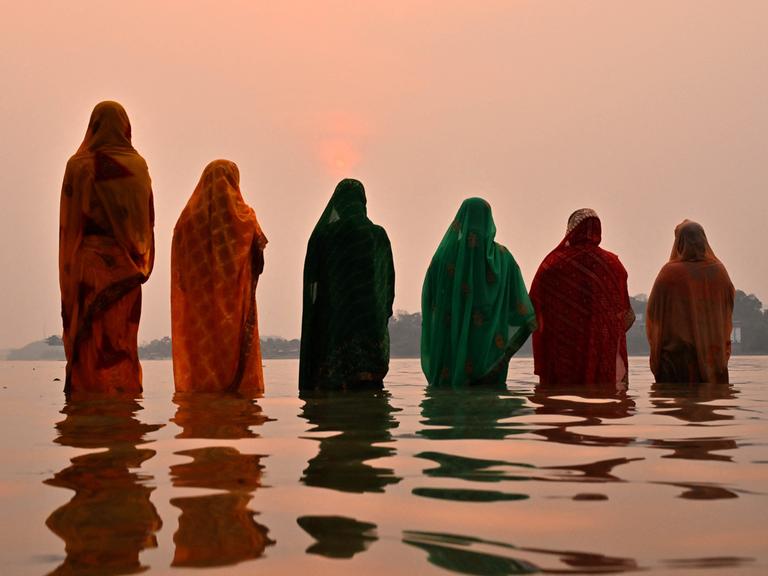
x=664, y=480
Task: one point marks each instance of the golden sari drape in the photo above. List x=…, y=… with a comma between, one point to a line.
x=690, y=310
x=106, y=251
x=216, y=259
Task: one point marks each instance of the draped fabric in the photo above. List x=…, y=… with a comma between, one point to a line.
x=216, y=259
x=475, y=309
x=689, y=314
x=582, y=305
x=349, y=287
x=106, y=251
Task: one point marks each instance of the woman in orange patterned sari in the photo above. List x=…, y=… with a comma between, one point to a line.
x=690, y=310
x=216, y=258
x=106, y=252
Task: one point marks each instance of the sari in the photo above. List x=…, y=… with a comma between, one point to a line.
x=475, y=309
x=689, y=313
x=582, y=305
x=217, y=255
x=106, y=252
x=349, y=288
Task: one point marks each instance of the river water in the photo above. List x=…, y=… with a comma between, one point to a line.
x=409, y=481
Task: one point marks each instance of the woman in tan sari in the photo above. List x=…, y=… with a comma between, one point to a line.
x=689, y=315
x=216, y=259
x=106, y=252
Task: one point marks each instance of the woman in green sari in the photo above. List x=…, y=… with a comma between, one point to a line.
x=475, y=309
x=349, y=287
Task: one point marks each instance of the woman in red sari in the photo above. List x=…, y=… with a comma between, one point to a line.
x=583, y=311
x=690, y=311
x=106, y=252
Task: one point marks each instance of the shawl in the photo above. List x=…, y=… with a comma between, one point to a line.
x=689, y=313
x=106, y=211
x=475, y=309
x=349, y=288
x=216, y=259
x=582, y=305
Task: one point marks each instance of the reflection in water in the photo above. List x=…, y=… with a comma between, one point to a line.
x=467, y=555
x=700, y=491
x=471, y=413
x=591, y=405
x=215, y=415
x=692, y=404
x=467, y=494
x=697, y=448
x=479, y=413
x=689, y=403
x=218, y=529
x=472, y=469
x=360, y=419
x=111, y=519
x=337, y=536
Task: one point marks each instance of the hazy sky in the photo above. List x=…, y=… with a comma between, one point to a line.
x=648, y=111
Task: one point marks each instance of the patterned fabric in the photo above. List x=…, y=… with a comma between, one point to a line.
x=475, y=309
x=689, y=314
x=578, y=217
x=216, y=259
x=106, y=251
x=582, y=305
x=349, y=287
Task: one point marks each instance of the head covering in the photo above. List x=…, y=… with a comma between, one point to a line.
x=691, y=244
x=475, y=307
x=689, y=313
x=349, y=287
x=582, y=305
x=106, y=250
x=580, y=216
x=215, y=264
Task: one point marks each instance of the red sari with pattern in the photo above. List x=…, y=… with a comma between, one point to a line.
x=583, y=311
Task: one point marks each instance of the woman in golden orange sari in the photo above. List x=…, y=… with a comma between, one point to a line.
x=689, y=315
x=216, y=258
x=106, y=252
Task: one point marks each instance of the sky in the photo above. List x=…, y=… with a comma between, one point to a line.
x=648, y=111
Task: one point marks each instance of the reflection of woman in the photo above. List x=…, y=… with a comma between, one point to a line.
x=475, y=309
x=216, y=259
x=110, y=519
x=689, y=313
x=361, y=421
x=593, y=406
x=349, y=287
x=483, y=412
x=215, y=415
x=582, y=305
x=218, y=529
x=106, y=251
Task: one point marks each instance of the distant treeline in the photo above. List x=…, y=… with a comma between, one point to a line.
x=750, y=336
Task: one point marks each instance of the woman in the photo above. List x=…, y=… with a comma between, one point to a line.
x=349, y=287
x=217, y=255
x=582, y=305
x=106, y=252
x=689, y=314
x=475, y=310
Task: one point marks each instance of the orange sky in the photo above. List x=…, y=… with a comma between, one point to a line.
x=648, y=111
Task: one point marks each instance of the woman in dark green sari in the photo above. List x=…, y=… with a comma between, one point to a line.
x=475, y=309
x=349, y=287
